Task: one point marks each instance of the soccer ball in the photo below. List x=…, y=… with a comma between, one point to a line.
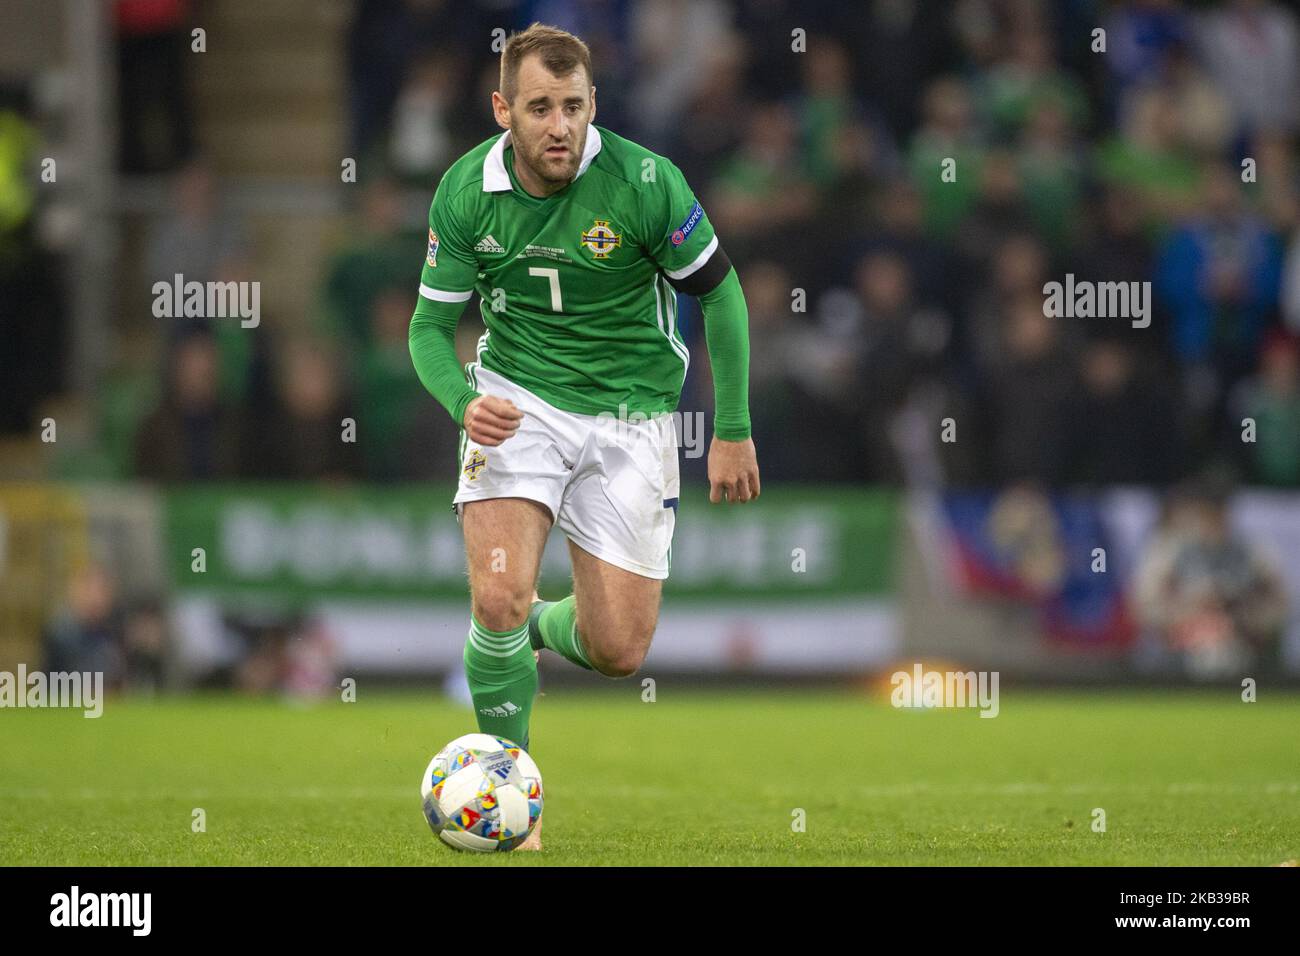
x=482, y=793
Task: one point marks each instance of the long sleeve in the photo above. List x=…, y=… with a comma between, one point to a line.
x=446, y=284
x=433, y=350
x=726, y=333
x=679, y=236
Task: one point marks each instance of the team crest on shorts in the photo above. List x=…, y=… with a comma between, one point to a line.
x=601, y=239
x=477, y=462
x=432, y=257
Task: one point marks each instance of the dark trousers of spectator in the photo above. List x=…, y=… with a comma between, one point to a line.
x=33, y=330
x=153, y=101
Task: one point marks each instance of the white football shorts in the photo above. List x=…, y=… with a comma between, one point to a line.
x=611, y=485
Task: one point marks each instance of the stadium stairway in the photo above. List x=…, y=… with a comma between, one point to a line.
x=270, y=97
x=270, y=92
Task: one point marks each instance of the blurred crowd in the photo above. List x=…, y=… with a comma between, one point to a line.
x=897, y=180
x=98, y=629
x=1210, y=601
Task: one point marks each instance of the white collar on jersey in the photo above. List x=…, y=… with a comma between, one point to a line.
x=495, y=177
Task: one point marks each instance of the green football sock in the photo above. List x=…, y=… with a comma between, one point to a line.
x=554, y=624
x=502, y=674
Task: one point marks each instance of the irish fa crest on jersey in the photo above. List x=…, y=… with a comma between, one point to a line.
x=601, y=239
x=432, y=257
x=476, y=463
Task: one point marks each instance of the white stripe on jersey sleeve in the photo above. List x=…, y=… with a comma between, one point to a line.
x=437, y=295
x=699, y=262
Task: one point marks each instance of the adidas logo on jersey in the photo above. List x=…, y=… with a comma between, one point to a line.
x=507, y=709
x=488, y=244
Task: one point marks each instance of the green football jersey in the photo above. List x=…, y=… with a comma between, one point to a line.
x=575, y=288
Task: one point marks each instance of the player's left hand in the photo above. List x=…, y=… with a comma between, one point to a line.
x=733, y=471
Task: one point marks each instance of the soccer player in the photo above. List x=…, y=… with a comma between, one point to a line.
x=577, y=241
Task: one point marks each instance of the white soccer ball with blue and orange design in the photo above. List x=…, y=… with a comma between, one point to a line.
x=482, y=793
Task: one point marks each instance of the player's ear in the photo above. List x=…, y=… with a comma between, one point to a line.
x=592, y=117
x=500, y=110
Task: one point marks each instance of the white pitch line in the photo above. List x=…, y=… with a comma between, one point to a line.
x=1010, y=789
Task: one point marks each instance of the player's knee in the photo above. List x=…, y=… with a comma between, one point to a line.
x=500, y=607
x=620, y=660
x=618, y=665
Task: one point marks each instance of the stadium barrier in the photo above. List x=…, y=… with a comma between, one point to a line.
x=815, y=580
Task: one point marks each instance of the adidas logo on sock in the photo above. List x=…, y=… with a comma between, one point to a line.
x=488, y=244
x=506, y=709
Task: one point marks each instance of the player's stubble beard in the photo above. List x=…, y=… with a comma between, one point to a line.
x=554, y=172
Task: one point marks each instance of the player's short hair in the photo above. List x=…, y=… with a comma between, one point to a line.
x=561, y=54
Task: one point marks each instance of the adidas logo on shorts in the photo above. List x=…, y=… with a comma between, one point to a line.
x=507, y=709
x=488, y=244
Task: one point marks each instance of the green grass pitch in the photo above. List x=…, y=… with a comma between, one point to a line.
x=697, y=777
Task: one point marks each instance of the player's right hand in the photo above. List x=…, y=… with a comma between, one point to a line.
x=490, y=420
